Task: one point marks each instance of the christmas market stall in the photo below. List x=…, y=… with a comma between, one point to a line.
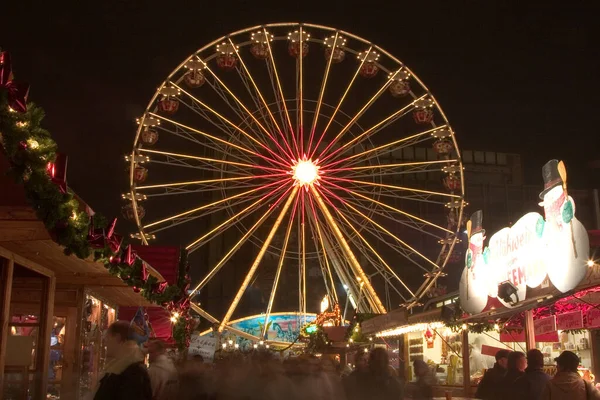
x=64, y=269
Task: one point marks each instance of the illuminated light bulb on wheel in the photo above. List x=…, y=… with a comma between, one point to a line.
x=305, y=172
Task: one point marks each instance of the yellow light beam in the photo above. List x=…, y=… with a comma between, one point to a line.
x=302, y=222
x=279, y=267
x=358, y=115
x=258, y=259
x=235, y=247
x=414, y=217
x=287, y=114
x=259, y=93
x=370, y=130
x=300, y=95
x=202, y=182
x=394, y=187
x=353, y=261
x=213, y=160
x=215, y=203
x=406, y=164
x=237, y=100
x=232, y=218
x=383, y=146
x=337, y=108
x=325, y=256
x=217, y=139
x=228, y=122
x=322, y=92
x=366, y=217
x=375, y=252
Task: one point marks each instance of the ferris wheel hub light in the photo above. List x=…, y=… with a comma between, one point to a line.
x=305, y=172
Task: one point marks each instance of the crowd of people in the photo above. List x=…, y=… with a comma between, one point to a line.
x=265, y=376
x=516, y=376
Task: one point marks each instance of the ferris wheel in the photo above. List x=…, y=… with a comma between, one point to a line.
x=300, y=148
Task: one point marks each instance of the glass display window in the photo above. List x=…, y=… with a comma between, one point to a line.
x=441, y=349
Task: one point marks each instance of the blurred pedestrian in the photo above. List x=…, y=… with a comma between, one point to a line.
x=517, y=363
x=162, y=371
x=357, y=378
x=125, y=376
x=531, y=385
x=424, y=387
x=489, y=387
x=567, y=384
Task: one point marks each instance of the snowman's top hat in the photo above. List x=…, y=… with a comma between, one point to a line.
x=551, y=177
x=477, y=223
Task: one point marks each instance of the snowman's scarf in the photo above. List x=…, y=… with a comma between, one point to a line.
x=552, y=210
x=476, y=250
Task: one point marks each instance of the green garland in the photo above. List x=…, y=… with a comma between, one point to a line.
x=29, y=149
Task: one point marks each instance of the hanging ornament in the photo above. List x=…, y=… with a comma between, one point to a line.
x=429, y=338
x=452, y=183
x=298, y=45
x=400, y=85
x=194, y=78
x=140, y=174
x=334, y=49
x=128, y=212
x=226, y=59
x=149, y=136
x=423, y=114
x=443, y=146
x=17, y=92
x=369, y=66
x=169, y=103
x=260, y=45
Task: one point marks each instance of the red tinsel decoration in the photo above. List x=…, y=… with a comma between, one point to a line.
x=17, y=92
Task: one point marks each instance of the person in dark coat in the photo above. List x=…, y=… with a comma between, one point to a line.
x=357, y=378
x=489, y=386
x=424, y=386
x=125, y=376
x=532, y=384
x=517, y=364
x=380, y=384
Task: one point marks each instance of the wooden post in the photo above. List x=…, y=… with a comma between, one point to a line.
x=8, y=267
x=465, y=362
x=529, y=330
x=46, y=325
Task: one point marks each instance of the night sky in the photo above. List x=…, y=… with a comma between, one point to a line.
x=511, y=76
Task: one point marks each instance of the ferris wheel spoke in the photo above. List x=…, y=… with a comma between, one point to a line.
x=289, y=151
x=206, y=212
x=383, y=229
x=279, y=92
x=300, y=96
x=243, y=106
x=418, y=164
x=327, y=273
x=378, y=256
x=390, y=119
x=322, y=93
x=384, y=148
x=235, y=218
x=238, y=244
x=206, y=181
x=384, y=213
x=212, y=160
x=211, y=137
x=183, y=163
x=429, y=193
x=227, y=129
x=378, y=305
x=232, y=125
x=355, y=118
x=337, y=108
x=280, y=266
x=411, y=216
x=258, y=259
x=302, y=246
x=209, y=205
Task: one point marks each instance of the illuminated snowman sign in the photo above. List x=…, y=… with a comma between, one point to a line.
x=556, y=246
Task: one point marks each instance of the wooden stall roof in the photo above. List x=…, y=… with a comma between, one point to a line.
x=25, y=239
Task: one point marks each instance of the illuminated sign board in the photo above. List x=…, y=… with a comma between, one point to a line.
x=555, y=245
